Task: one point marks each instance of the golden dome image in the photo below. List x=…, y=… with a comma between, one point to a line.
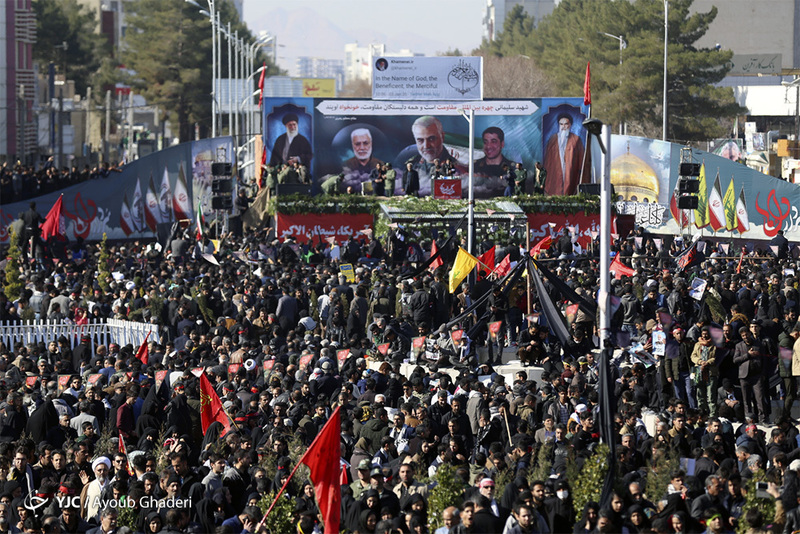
x=633, y=179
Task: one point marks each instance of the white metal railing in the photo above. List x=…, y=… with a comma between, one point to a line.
x=101, y=332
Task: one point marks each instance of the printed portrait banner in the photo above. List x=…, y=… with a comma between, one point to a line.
x=341, y=355
x=314, y=227
x=427, y=78
x=303, y=362
x=63, y=382
x=456, y=336
x=160, y=188
x=352, y=138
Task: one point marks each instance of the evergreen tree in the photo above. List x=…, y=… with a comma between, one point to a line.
x=630, y=92
x=103, y=268
x=176, y=74
x=60, y=22
x=13, y=286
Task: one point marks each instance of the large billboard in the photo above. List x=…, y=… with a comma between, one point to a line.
x=160, y=188
x=352, y=137
x=450, y=78
x=735, y=201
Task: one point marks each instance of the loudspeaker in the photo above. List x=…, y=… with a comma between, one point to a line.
x=293, y=189
x=221, y=203
x=224, y=185
x=221, y=169
x=687, y=203
x=686, y=185
x=594, y=189
x=690, y=169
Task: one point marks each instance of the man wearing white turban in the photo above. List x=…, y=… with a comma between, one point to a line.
x=90, y=496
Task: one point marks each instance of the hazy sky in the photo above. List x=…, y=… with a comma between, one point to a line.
x=321, y=27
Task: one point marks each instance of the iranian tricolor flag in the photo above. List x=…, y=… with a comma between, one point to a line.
x=200, y=221
x=125, y=219
x=742, y=219
x=716, y=211
x=180, y=200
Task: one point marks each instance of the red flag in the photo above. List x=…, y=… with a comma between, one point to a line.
x=438, y=262
x=503, y=267
x=261, y=84
x=619, y=268
x=587, y=90
x=124, y=451
x=486, y=262
x=211, y=407
x=542, y=245
x=141, y=354
x=54, y=224
x=323, y=459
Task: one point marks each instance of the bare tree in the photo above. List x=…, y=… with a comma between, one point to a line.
x=513, y=77
x=357, y=89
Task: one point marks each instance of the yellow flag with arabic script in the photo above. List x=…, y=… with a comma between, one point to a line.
x=463, y=265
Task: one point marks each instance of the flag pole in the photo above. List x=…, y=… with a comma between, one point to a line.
x=300, y=461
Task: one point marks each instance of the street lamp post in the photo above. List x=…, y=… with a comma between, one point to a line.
x=666, y=41
x=212, y=15
x=622, y=46
x=470, y=118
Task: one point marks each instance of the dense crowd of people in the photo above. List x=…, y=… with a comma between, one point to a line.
x=709, y=351
x=20, y=182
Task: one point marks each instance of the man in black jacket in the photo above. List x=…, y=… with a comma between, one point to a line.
x=485, y=521
x=748, y=355
x=410, y=181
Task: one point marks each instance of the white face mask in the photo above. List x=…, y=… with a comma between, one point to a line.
x=562, y=494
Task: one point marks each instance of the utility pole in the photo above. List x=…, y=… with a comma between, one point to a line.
x=60, y=128
x=230, y=80
x=22, y=112
x=108, y=127
x=130, y=126
x=87, y=135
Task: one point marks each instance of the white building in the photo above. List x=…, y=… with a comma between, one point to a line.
x=358, y=60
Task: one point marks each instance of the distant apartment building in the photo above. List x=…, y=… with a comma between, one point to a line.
x=17, y=81
x=317, y=67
